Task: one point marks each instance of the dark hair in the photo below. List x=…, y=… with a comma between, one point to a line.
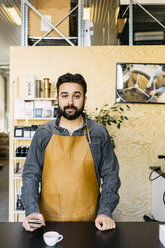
x=71, y=78
x=163, y=67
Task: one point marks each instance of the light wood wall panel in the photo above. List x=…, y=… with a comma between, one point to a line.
x=140, y=139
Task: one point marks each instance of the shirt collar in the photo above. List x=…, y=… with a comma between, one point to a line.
x=57, y=120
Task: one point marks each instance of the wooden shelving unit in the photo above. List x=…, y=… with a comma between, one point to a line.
x=15, y=178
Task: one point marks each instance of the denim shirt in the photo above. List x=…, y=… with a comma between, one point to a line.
x=104, y=158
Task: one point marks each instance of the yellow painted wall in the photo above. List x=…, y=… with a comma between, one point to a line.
x=139, y=140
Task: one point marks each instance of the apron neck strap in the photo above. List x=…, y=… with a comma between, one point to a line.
x=87, y=130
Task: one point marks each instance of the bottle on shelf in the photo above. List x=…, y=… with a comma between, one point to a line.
x=26, y=150
x=22, y=151
x=16, y=169
x=47, y=88
x=19, y=205
x=38, y=88
x=18, y=151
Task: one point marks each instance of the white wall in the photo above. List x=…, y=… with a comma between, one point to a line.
x=2, y=104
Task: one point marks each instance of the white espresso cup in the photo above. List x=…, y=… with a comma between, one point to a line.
x=51, y=238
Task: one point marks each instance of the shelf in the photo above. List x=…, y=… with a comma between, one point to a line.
x=31, y=119
x=52, y=38
x=17, y=177
x=19, y=138
x=20, y=158
x=35, y=99
x=51, y=41
x=19, y=211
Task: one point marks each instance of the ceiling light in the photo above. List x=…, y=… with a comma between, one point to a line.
x=86, y=14
x=15, y=15
x=12, y=14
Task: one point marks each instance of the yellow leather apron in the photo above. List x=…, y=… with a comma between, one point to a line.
x=70, y=191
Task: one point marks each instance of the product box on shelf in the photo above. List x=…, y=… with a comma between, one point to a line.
x=27, y=132
x=38, y=112
x=30, y=87
x=19, y=108
x=43, y=4
x=19, y=132
x=38, y=27
x=28, y=109
x=33, y=130
x=47, y=113
x=43, y=109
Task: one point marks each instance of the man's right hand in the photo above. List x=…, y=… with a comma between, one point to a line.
x=33, y=216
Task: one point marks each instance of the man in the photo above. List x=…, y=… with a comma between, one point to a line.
x=70, y=156
x=158, y=81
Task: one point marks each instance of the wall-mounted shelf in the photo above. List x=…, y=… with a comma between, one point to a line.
x=19, y=158
x=19, y=211
x=18, y=177
x=35, y=99
x=31, y=119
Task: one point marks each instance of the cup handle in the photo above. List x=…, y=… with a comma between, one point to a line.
x=60, y=238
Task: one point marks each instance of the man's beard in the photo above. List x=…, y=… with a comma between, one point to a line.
x=73, y=116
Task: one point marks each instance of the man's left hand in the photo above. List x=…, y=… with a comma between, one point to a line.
x=152, y=93
x=103, y=222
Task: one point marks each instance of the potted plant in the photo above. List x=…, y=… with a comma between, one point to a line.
x=108, y=116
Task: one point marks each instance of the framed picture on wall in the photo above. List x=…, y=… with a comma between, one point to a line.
x=140, y=83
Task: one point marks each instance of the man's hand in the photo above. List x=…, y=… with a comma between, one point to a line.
x=152, y=93
x=33, y=216
x=103, y=222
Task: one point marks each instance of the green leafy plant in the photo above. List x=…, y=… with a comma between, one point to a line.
x=108, y=116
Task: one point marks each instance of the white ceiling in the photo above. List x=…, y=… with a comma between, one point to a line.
x=9, y=31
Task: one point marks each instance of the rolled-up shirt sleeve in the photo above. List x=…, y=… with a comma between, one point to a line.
x=160, y=90
x=155, y=74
